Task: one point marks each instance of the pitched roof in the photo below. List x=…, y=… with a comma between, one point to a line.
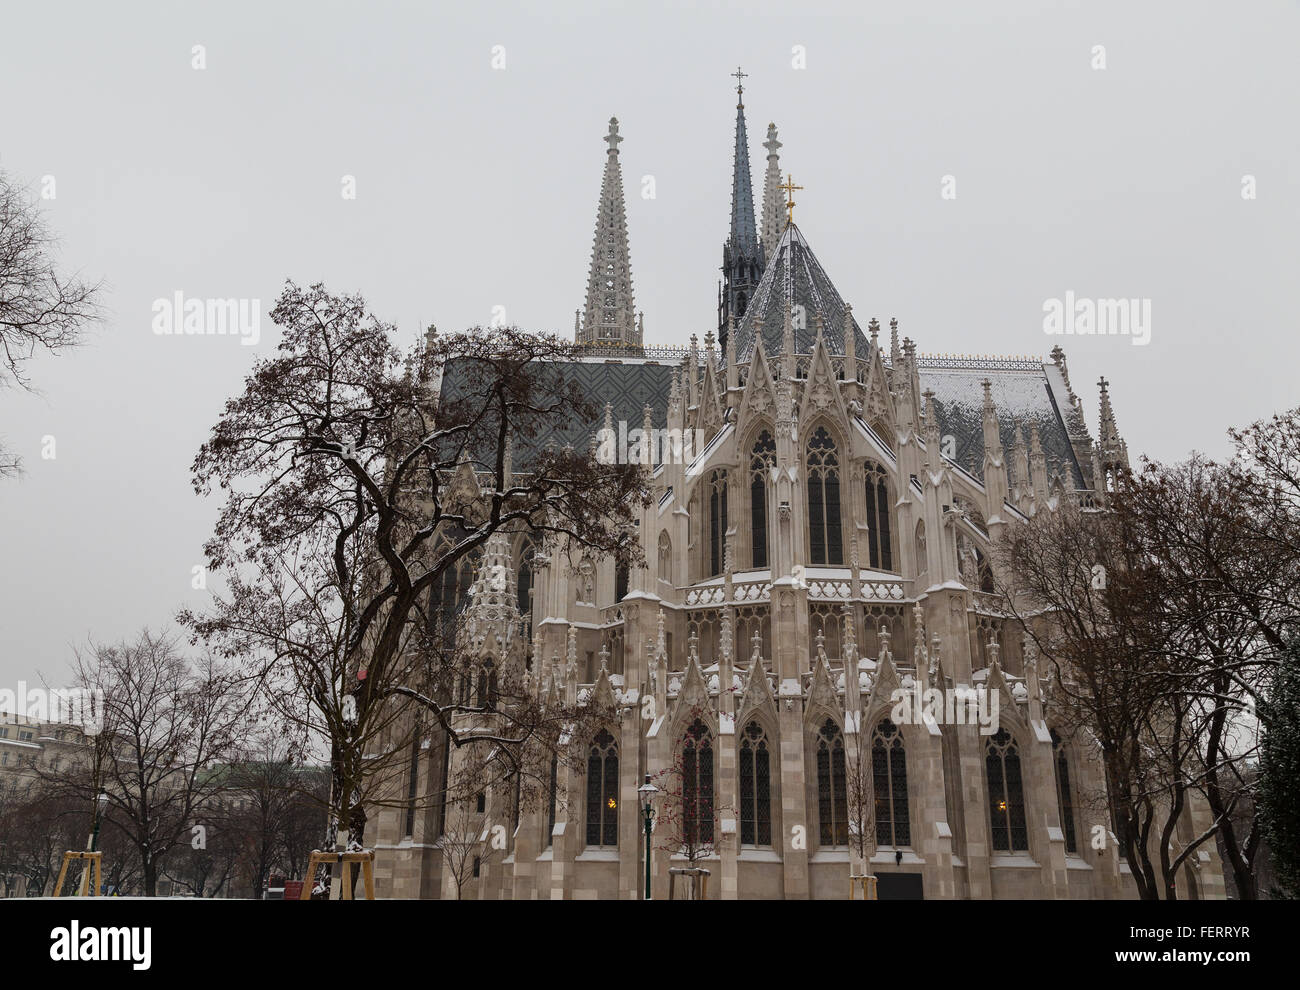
x=793, y=273
x=1024, y=396
x=627, y=384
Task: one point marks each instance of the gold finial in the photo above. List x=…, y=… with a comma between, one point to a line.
x=789, y=188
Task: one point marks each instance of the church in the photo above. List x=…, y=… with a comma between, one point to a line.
x=824, y=548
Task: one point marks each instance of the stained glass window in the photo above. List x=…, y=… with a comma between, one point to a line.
x=832, y=786
x=755, y=787
x=602, y=791
x=1006, y=793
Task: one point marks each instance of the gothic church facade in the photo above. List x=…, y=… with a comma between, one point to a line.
x=827, y=545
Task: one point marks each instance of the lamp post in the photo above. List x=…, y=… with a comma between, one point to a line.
x=648, y=793
x=101, y=803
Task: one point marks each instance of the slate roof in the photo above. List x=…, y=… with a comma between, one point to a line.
x=628, y=384
x=794, y=273
x=1025, y=393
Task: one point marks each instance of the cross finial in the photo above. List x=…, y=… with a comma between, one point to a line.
x=1103, y=383
x=740, y=77
x=612, y=138
x=789, y=188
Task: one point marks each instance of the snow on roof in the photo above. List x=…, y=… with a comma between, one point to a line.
x=1022, y=397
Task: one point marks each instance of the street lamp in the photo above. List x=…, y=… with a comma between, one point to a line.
x=101, y=803
x=648, y=793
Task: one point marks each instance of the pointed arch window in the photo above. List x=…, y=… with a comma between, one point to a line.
x=413, y=782
x=602, y=790
x=620, y=582
x=755, y=787
x=717, y=521
x=487, y=685
x=554, y=796
x=921, y=554
x=665, y=558
x=832, y=786
x=880, y=554
x=1006, y=793
x=889, y=775
x=825, y=545
x=761, y=460
x=1064, y=797
x=444, y=785
x=697, y=785
x=525, y=583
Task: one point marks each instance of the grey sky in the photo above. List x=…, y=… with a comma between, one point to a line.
x=477, y=187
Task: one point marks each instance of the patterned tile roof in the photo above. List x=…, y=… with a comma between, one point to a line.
x=794, y=273
x=628, y=385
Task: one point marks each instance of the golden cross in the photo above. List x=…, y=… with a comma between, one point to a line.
x=789, y=188
x=740, y=77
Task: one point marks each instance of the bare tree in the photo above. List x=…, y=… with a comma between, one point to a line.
x=466, y=845
x=165, y=724
x=353, y=485
x=40, y=307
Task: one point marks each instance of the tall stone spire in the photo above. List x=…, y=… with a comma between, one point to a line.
x=609, y=317
x=742, y=264
x=1111, y=448
x=773, y=202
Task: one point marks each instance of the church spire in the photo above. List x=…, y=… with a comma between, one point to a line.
x=773, y=202
x=609, y=317
x=742, y=265
x=1111, y=449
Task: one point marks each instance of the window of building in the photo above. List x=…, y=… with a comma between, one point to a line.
x=717, y=521
x=889, y=775
x=755, y=787
x=825, y=545
x=697, y=785
x=602, y=790
x=832, y=786
x=487, y=685
x=880, y=555
x=1064, y=797
x=412, y=783
x=1006, y=793
x=762, y=459
x=665, y=558
x=554, y=797
x=443, y=785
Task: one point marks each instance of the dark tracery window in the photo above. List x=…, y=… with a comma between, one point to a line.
x=761, y=460
x=755, y=787
x=1006, y=793
x=1063, y=796
x=825, y=545
x=717, y=521
x=602, y=791
x=832, y=786
x=697, y=785
x=889, y=774
x=880, y=554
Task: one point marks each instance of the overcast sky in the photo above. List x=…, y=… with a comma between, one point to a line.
x=476, y=187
